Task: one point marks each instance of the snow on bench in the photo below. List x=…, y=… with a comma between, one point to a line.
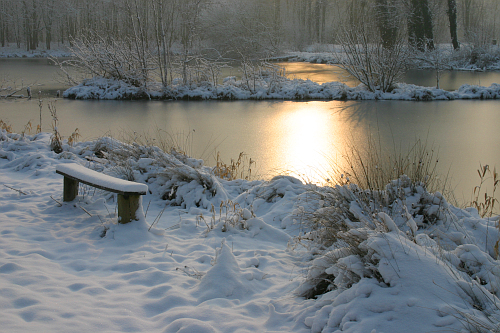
x=128, y=192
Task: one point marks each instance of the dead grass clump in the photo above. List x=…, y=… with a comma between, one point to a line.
x=372, y=169
x=6, y=127
x=181, y=143
x=375, y=194
x=230, y=215
x=241, y=168
x=483, y=201
x=27, y=128
x=73, y=138
x=56, y=138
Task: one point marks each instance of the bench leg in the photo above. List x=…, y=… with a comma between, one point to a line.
x=70, y=189
x=127, y=207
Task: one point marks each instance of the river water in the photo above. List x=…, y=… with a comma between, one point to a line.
x=300, y=138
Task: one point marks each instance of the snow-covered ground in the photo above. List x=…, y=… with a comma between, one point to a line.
x=57, y=51
x=468, y=58
x=232, y=89
x=213, y=255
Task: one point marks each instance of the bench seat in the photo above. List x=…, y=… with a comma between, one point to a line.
x=128, y=192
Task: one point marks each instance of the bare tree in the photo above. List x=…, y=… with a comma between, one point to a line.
x=366, y=57
x=163, y=29
x=452, y=17
x=420, y=29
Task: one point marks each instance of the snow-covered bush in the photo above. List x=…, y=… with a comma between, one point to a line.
x=177, y=178
x=380, y=237
x=112, y=58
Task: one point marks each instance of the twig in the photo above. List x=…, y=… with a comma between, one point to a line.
x=157, y=218
x=60, y=204
x=147, y=209
x=12, y=94
x=15, y=189
x=86, y=211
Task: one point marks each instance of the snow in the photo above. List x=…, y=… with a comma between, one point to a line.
x=56, y=51
x=213, y=255
x=90, y=176
x=108, y=89
x=469, y=58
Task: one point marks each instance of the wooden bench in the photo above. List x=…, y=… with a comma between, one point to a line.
x=128, y=192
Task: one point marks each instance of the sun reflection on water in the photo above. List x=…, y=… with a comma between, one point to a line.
x=309, y=140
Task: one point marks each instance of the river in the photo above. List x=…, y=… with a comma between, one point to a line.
x=300, y=138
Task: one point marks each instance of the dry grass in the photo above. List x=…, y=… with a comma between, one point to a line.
x=230, y=215
x=241, y=168
x=181, y=142
x=364, y=195
x=6, y=127
x=73, y=138
x=483, y=201
x=56, y=138
x=373, y=168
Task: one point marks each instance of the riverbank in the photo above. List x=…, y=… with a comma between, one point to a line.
x=215, y=255
x=283, y=89
x=57, y=51
x=468, y=58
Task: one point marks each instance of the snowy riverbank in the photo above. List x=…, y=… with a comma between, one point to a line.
x=12, y=51
x=213, y=255
x=469, y=58
x=232, y=89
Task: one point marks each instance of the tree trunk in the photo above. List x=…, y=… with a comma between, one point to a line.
x=427, y=20
x=385, y=22
x=420, y=32
x=277, y=15
x=48, y=37
x=467, y=17
x=2, y=33
x=452, y=16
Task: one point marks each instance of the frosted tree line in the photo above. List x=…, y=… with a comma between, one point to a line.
x=243, y=25
x=145, y=42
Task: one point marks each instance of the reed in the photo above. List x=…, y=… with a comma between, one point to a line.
x=372, y=168
x=484, y=200
x=6, y=127
x=241, y=168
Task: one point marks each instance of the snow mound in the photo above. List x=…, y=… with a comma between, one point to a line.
x=223, y=279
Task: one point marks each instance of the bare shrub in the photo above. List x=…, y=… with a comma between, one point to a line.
x=365, y=57
x=262, y=74
x=111, y=58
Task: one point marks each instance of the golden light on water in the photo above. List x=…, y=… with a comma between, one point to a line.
x=308, y=141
